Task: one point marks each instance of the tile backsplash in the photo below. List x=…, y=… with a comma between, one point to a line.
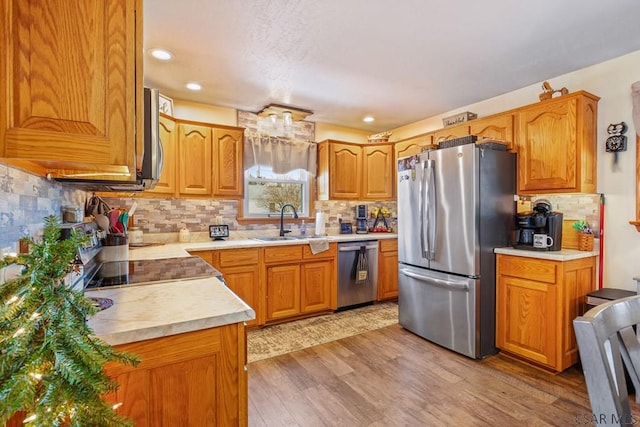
x=25, y=200
x=165, y=217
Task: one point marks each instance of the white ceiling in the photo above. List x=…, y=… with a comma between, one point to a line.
x=398, y=61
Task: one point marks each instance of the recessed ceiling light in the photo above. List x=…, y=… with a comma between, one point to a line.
x=368, y=119
x=194, y=86
x=162, y=54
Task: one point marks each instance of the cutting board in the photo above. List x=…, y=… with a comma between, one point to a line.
x=569, y=235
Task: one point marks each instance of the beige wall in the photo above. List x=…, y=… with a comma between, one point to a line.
x=228, y=116
x=611, y=81
x=204, y=113
x=326, y=131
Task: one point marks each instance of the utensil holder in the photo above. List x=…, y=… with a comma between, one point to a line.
x=116, y=248
x=585, y=242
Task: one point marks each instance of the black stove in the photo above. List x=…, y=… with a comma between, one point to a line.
x=128, y=273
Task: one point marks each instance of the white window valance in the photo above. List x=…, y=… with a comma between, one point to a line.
x=281, y=154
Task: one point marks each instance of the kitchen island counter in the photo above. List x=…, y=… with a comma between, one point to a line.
x=161, y=309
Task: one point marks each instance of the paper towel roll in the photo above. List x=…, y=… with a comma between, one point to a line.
x=320, y=230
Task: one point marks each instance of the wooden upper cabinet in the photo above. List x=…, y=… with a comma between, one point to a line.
x=194, y=146
x=322, y=175
x=379, y=178
x=71, y=86
x=499, y=126
x=414, y=145
x=451, y=132
x=348, y=171
x=228, y=172
x=167, y=182
x=557, y=145
x=345, y=169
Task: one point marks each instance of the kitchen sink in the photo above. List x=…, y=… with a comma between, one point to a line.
x=278, y=238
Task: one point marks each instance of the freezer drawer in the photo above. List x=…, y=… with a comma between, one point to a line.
x=438, y=307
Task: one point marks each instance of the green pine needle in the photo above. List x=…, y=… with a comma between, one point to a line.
x=51, y=365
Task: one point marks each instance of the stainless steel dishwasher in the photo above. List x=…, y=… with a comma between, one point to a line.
x=352, y=289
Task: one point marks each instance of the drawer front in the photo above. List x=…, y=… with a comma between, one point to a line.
x=330, y=253
x=388, y=245
x=283, y=253
x=528, y=268
x=233, y=257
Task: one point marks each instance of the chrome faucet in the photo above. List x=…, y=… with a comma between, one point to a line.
x=295, y=215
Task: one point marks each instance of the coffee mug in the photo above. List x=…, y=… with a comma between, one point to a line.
x=542, y=241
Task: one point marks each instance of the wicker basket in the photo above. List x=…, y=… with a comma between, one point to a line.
x=585, y=242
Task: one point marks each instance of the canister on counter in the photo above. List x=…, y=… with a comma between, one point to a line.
x=136, y=235
x=184, y=236
x=72, y=214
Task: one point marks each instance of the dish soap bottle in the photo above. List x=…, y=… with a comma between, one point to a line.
x=303, y=228
x=184, y=235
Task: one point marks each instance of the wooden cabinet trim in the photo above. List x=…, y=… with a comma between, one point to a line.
x=284, y=253
x=331, y=253
x=239, y=257
x=529, y=268
x=388, y=245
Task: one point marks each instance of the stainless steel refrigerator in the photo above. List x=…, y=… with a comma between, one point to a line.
x=455, y=205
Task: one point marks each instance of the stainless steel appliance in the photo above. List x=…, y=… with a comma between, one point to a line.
x=86, y=259
x=130, y=273
x=541, y=220
x=455, y=205
x=361, y=219
x=149, y=158
x=353, y=289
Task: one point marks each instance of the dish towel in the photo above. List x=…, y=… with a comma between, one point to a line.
x=318, y=245
x=360, y=269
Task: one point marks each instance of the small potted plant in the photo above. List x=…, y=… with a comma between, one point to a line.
x=51, y=364
x=585, y=235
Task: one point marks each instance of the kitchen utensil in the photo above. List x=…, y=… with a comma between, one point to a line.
x=133, y=208
x=113, y=221
x=124, y=219
x=102, y=221
x=95, y=205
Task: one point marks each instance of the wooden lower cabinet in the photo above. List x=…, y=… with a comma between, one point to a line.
x=315, y=295
x=279, y=282
x=241, y=271
x=283, y=291
x=191, y=379
x=388, y=269
x=298, y=282
x=537, y=301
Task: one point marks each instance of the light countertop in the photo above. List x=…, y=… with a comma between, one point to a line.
x=160, y=309
x=172, y=250
x=155, y=310
x=562, y=255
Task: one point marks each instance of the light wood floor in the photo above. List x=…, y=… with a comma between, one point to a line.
x=390, y=377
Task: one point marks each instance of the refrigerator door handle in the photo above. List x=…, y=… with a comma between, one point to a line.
x=461, y=286
x=423, y=211
x=430, y=202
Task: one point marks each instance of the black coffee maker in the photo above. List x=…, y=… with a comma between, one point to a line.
x=540, y=221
